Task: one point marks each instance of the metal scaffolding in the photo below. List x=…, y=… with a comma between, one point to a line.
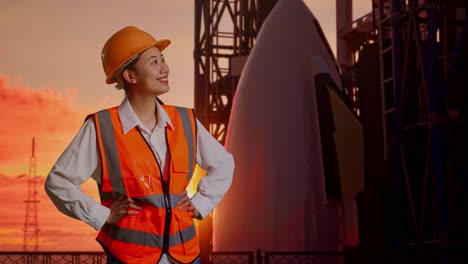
x=421, y=123
x=224, y=35
x=413, y=122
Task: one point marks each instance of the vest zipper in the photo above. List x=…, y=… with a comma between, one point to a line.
x=167, y=224
x=165, y=185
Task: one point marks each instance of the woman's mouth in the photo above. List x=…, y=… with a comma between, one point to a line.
x=163, y=80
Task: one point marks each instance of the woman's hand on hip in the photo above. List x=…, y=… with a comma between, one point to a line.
x=121, y=207
x=186, y=204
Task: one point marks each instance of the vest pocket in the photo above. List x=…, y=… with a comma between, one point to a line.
x=180, y=164
x=184, y=218
x=186, y=228
x=179, y=177
x=137, y=186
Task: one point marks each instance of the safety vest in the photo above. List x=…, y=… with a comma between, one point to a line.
x=130, y=168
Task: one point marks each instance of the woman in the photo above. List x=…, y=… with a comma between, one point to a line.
x=142, y=155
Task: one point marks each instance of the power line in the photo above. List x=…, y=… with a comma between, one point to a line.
x=31, y=226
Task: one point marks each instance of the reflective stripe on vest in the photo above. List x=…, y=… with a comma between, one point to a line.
x=184, y=115
x=155, y=199
x=147, y=239
x=110, y=151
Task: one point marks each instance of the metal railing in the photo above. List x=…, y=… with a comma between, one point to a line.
x=232, y=257
x=427, y=256
x=52, y=257
x=304, y=257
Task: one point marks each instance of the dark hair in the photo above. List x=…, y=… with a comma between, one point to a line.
x=130, y=66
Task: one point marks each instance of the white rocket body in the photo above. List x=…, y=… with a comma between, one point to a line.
x=277, y=200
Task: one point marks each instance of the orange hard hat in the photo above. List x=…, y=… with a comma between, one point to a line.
x=124, y=45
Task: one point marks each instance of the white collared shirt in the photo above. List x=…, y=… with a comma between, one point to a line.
x=81, y=160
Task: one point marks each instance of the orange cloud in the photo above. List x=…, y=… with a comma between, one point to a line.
x=53, y=118
x=49, y=115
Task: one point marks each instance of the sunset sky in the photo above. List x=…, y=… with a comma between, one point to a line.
x=51, y=78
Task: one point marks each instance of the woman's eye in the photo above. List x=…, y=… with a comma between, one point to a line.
x=155, y=62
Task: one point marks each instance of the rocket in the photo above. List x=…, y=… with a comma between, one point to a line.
x=296, y=144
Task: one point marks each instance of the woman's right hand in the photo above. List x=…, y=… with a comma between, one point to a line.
x=121, y=207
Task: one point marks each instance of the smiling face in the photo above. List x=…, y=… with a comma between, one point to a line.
x=149, y=75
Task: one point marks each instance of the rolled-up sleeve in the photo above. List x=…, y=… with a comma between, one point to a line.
x=219, y=164
x=76, y=165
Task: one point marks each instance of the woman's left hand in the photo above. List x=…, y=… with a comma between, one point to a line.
x=186, y=204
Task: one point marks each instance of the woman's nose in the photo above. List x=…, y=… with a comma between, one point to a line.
x=164, y=68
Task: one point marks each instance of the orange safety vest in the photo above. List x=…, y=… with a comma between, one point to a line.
x=130, y=168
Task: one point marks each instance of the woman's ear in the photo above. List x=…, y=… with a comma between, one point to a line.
x=129, y=76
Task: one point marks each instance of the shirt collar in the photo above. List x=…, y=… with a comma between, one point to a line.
x=129, y=119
